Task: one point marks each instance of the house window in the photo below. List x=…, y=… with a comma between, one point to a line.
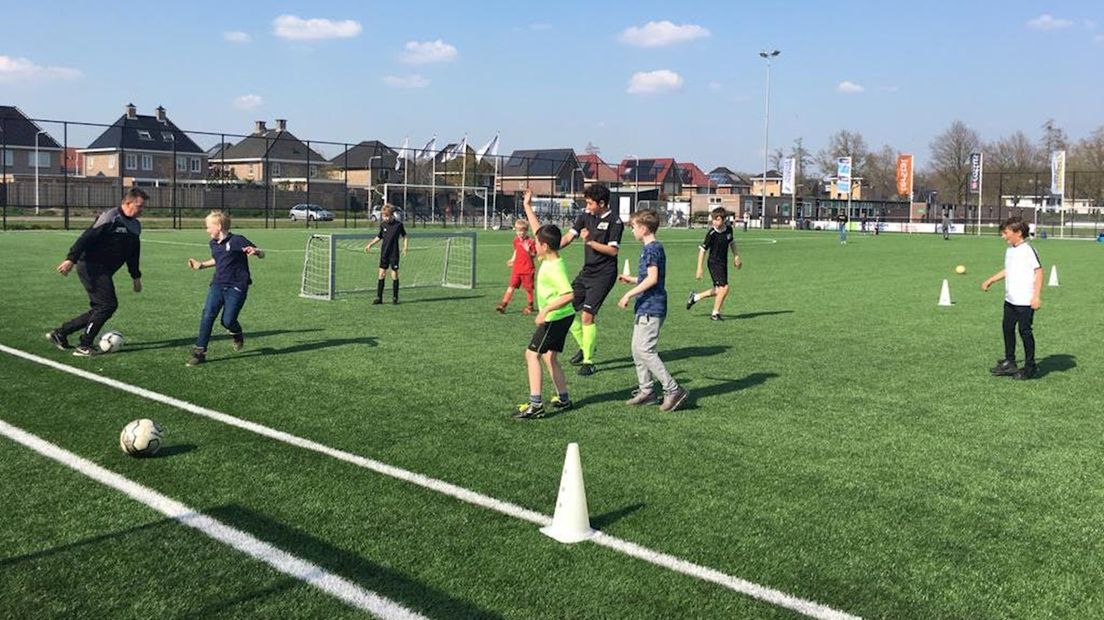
x=8, y=159
x=111, y=162
x=275, y=169
x=43, y=159
x=250, y=173
x=147, y=162
x=89, y=162
x=131, y=161
x=314, y=171
x=144, y=134
x=167, y=136
x=195, y=164
x=181, y=164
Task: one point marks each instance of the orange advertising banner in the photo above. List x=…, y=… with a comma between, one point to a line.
x=904, y=175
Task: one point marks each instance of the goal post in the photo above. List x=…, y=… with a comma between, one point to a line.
x=336, y=264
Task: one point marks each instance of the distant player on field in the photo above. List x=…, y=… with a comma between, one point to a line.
x=601, y=231
x=842, y=219
x=390, y=231
x=229, y=286
x=521, y=268
x=114, y=239
x=718, y=241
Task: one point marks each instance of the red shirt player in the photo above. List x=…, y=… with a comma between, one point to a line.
x=521, y=274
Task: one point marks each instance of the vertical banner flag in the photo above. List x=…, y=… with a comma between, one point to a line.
x=1058, y=173
x=843, y=175
x=490, y=148
x=789, y=166
x=904, y=175
x=975, y=171
x=402, y=154
x=427, y=151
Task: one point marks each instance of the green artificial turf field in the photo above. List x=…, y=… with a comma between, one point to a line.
x=844, y=442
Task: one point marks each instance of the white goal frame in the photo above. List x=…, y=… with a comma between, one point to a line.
x=329, y=241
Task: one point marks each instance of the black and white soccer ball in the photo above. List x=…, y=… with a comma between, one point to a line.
x=141, y=437
x=111, y=341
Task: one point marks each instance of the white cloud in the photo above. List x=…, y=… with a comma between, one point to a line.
x=654, y=82
x=1046, y=21
x=424, y=52
x=13, y=69
x=248, y=102
x=237, y=36
x=405, y=81
x=299, y=29
x=658, y=34
x=849, y=87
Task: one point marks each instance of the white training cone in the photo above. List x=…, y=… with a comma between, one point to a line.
x=571, y=522
x=1053, y=276
x=945, y=294
x=626, y=271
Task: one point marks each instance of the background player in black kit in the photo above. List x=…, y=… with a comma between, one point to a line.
x=114, y=239
x=390, y=231
x=716, y=244
x=601, y=231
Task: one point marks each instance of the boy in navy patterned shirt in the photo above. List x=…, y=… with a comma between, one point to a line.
x=651, y=308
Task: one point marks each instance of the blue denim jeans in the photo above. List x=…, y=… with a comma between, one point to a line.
x=228, y=299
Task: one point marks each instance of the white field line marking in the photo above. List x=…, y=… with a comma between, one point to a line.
x=756, y=591
x=275, y=557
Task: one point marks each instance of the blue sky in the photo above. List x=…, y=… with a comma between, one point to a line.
x=558, y=74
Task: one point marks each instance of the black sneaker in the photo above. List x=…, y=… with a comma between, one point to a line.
x=585, y=370
x=691, y=300
x=395, y=301
x=1027, y=372
x=198, y=357
x=377, y=301
x=561, y=404
x=239, y=341
x=715, y=317
x=1004, y=368
x=529, y=411
x=58, y=340
x=83, y=351
x=577, y=358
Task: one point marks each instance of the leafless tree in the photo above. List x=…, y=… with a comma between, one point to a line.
x=950, y=160
x=841, y=144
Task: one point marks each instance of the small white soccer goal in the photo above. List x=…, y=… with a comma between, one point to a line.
x=336, y=264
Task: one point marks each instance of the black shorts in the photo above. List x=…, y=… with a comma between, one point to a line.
x=591, y=290
x=389, y=261
x=719, y=273
x=551, y=336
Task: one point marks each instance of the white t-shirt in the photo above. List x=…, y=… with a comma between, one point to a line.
x=1020, y=263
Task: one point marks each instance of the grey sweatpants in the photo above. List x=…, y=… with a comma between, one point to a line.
x=649, y=367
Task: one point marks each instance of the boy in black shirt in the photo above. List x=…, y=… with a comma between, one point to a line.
x=842, y=219
x=717, y=243
x=98, y=253
x=600, y=230
x=229, y=286
x=390, y=231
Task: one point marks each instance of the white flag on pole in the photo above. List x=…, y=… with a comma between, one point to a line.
x=427, y=151
x=455, y=151
x=490, y=148
x=402, y=153
x=788, y=167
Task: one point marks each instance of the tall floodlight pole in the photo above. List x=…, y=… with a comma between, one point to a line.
x=37, y=165
x=766, y=132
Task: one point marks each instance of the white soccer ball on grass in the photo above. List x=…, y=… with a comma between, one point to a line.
x=141, y=437
x=111, y=341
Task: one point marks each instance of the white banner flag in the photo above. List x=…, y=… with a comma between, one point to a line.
x=789, y=167
x=490, y=148
x=456, y=151
x=1058, y=173
x=843, y=175
x=402, y=153
x=427, y=151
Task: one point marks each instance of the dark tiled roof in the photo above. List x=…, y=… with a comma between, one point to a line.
x=650, y=170
x=594, y=168
x=126, y=133
x=17, y=130
x=360, y=156
x=691, y=174
x=539, y=163
x=723, y=176
x=273, y=144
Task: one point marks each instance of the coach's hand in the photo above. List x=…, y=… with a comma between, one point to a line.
x=736, y=262
x=65, y=267
x=137, y=285
x=193, y=264
x=624, y=301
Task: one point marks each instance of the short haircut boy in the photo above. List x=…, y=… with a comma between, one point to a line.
x=598, y=193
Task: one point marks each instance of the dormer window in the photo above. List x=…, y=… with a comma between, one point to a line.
x=167, y=136
x=144, y=135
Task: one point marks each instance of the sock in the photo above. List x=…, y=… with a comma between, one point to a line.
x=535, y=399
x=529, y=296
x=577, y=331
x=379, y=289
x=564, y=397
x=395, y=288
x=506, y=297
x=590, y=334
x=694, y=297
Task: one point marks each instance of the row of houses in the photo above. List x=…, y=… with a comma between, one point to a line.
x=150, y=150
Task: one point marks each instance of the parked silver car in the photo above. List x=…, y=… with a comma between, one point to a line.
x=310, y=212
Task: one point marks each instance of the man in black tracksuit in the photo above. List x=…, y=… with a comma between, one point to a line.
x=98, y=253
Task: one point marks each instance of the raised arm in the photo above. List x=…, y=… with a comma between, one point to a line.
x=527, y=202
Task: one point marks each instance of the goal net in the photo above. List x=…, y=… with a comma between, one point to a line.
x=336, y=264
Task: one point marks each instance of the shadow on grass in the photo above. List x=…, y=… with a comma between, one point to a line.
x=190, y=341
x=404, y=299
x=752, y=315
x=303, y=347
x=606, y=519
x=667, y=356
x=725, y=386
x=1059, y=362
x=174, y=450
